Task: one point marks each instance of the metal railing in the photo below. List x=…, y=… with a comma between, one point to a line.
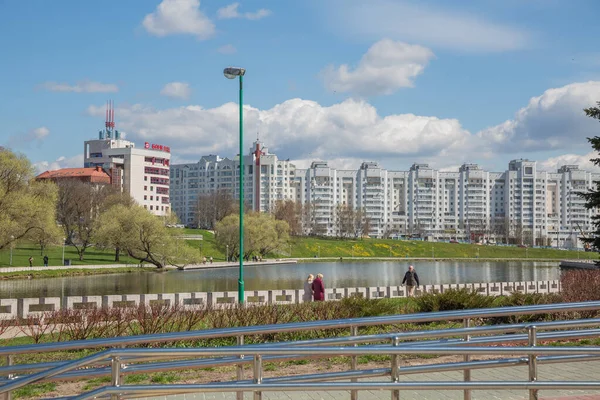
x=117, y=362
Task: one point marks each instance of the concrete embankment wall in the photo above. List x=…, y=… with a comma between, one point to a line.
x=22, y=308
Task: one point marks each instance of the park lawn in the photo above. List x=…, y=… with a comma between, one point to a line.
x=306, y=247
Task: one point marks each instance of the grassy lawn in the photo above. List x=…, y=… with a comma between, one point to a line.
x=308, y=247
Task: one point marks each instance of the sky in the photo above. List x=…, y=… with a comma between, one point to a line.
x=347, y=81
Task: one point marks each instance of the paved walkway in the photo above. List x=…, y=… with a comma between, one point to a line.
x=570, y=372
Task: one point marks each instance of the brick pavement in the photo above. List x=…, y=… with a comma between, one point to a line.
x=587, y=371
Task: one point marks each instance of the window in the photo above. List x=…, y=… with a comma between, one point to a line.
x=145, y=197
x=151, y=208
x=145, y=178
x=145, y=187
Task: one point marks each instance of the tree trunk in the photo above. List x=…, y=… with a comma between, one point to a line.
x=117, y=254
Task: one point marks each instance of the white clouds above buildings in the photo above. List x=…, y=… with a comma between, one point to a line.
x=60, y=162
x=34, y=136
x=178, y=90
x=386, y=67
x=179, y=17
x=353, y=131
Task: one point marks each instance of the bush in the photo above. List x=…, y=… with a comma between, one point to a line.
x=462, y=299
x=580, y=285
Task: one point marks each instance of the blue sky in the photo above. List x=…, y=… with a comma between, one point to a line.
x=392, y=81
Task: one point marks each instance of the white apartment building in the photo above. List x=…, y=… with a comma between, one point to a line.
x=521, y=204
x=266, y=180
x=143, y=173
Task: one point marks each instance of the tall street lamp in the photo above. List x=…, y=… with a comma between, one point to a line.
x=11, y=248
x=232, y=73
x=63, y=254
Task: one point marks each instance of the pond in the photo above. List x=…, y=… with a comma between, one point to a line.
x=288, y=276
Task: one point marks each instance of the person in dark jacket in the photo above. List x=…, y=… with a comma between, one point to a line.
x=318, y=288
x=411, y=279
x=45, y=261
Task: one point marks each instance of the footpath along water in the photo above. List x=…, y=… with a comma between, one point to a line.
x=290, y=276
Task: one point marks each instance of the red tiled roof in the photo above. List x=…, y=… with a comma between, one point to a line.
x=74, y=173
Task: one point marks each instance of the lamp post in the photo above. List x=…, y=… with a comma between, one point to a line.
x=11, y=248
x=232, y=73
x=63, y=254
x=319, y=251
x=227, y=255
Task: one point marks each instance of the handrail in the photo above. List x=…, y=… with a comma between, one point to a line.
x=436, y=333
x=294, y=327
x=322, y=351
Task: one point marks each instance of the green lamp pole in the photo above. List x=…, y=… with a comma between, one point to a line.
x=232, y=73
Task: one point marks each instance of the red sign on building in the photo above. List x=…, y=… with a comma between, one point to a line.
x=158, y=147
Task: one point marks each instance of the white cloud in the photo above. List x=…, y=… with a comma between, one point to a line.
x=432, y=25
x=227, y=49
x=295, y=128
x=386, y=67
x=553, y=121
x=583, y=161
x=173, y=17
x=179, y=90
x=347, y=133
x=34, y=136
x=60, y=162
x=231, y=11
x=81, y=87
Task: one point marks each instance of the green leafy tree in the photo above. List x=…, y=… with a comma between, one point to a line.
x=592, y=197
x=143, y=236
x=263, y=234
x=26, y=206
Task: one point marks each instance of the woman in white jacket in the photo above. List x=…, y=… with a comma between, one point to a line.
x=307, y=297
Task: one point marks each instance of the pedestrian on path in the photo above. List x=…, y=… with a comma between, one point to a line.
x=307, y=297
x=31, y=261
x=411, y=279
x=45, y=261
x=318, y=288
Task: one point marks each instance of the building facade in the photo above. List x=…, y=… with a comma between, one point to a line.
x=141, y=172
x=520, y=205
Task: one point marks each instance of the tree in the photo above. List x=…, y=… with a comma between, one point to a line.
x=262, y=234
x=142, y=235
x=79, y=205
x=112, y=200
x=592, y=197
x=49, y=235
x=212, y=208
x=26, y=206
x=290, y=212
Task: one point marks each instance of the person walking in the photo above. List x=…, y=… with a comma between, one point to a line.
x=318, y=288
x=31, y=261
x=411, y=279
x=45, y=261
x=307, y=297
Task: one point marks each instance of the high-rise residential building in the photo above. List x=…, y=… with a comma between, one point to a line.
x=141, y=172
x=266, y=180
x=521, y=204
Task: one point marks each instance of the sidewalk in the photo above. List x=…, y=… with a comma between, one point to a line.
x=571, y=372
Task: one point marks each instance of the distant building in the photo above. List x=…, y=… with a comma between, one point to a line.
x=141, y=172
x=522, y=204
x=89, y=175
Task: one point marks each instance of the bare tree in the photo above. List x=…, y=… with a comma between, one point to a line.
x=290, y=212
x=213, y=207
x=79, y=205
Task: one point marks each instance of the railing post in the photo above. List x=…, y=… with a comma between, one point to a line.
x=258, y=375
x=532, y=335
x=240, y=368
x=115, y=375
x=354, y=363
x=9, y=362
x=467, y=358
x=395, y=368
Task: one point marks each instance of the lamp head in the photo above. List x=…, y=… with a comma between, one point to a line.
x=233, y=72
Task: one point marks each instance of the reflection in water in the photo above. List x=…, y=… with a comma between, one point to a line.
x=291, y=276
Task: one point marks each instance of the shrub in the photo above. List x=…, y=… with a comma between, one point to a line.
x=452, y=299
x=580, y=285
